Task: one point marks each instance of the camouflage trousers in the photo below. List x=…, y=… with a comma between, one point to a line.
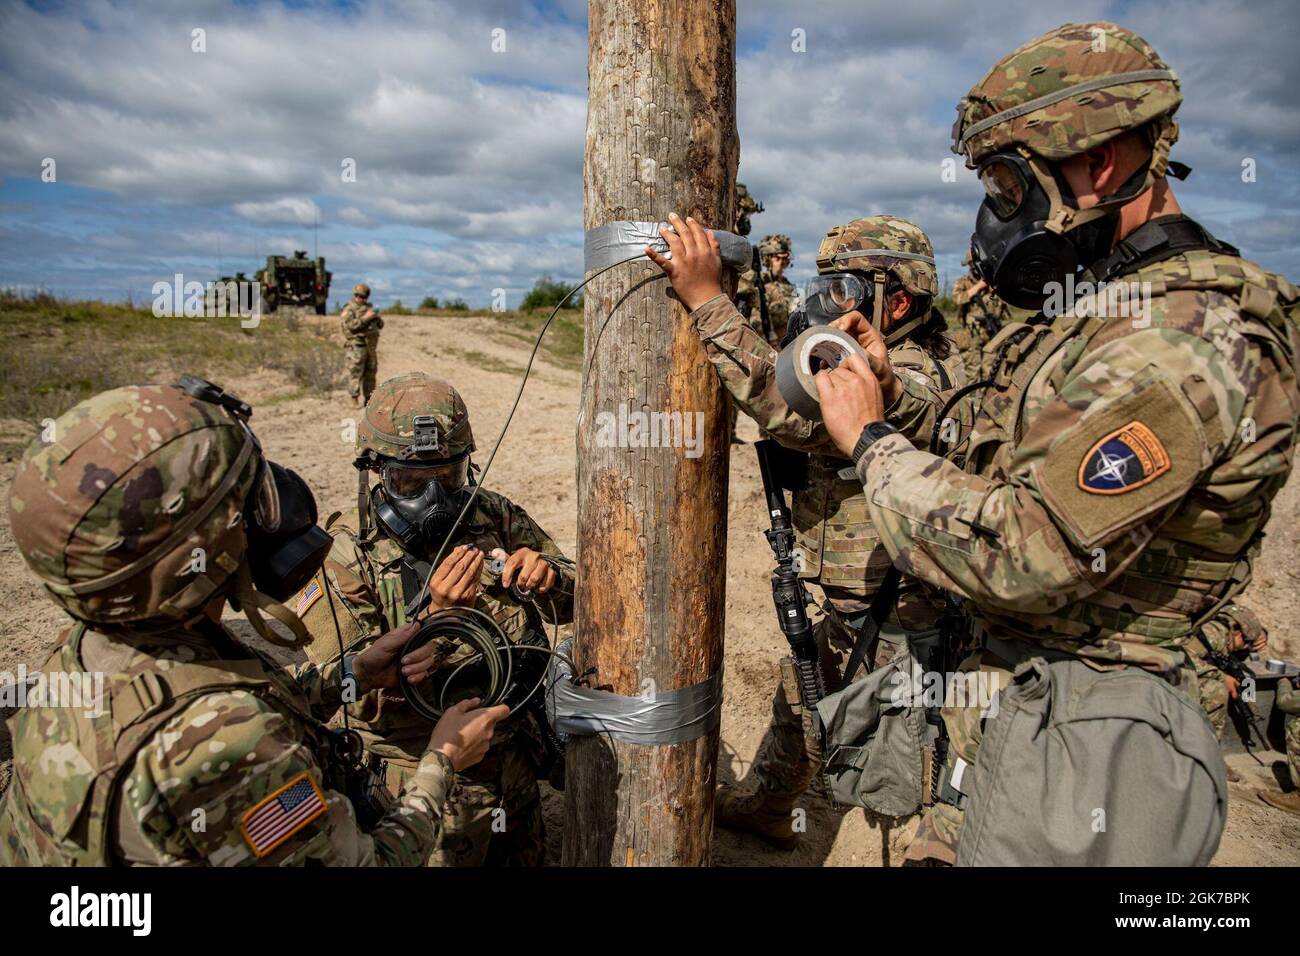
x=1293, y=750
x=362, y=360
x=789, y=756
x=493, y=815
x=1214, y=697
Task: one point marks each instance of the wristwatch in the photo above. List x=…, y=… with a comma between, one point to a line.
x=874, y=431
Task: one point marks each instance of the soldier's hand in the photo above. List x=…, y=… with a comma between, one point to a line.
x=529, y=570
x=464, y=732
x=376, y=666
x=455, y=583
x=850, y=399
x=1233, y=687
x=695, y=269
x=873, y=343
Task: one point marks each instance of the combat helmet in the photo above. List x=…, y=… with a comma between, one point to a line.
x=774, y=246
x=137, y=506
x=388, y=428
x=885, y=247
x=1069, y=91
x=361, y=290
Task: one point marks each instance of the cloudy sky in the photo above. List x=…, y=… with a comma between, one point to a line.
x=469, y=161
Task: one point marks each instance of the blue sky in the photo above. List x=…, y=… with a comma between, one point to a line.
x=469, y=161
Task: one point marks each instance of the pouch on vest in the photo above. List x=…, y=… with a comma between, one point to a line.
x=1080, y=767
x=874, y=735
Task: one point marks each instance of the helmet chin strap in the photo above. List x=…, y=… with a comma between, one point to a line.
x=1066, y=218
x=253, y=602
x=878, y=301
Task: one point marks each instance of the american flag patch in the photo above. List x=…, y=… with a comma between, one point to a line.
x=282, y=814
x=309, y=596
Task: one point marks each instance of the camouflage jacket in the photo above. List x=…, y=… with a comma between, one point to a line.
x=840, y=550
x=355, y=325
x=183, y=761
x=367, y=583
x=781, y=297
x=1120, y=471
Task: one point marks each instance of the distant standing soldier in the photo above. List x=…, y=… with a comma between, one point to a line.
x=747, y=282
x=361, y=325
x=778, y=291
x=982, y=315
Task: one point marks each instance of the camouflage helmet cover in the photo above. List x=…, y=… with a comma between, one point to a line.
x=361, y=290
x=115, y=503
x=884, y=243
x=774, y=245
x=1067, y=92
x=387, y=428
x=746, y=205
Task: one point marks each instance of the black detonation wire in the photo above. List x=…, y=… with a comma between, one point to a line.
x=478, y=629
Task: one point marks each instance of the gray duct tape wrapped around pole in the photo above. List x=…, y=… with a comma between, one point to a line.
x=624, y=241
x=661, y=717
x=815, y=348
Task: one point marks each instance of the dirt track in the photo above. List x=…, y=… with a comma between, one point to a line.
x=535, y=467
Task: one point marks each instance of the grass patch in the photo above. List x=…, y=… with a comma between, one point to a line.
x=483, y=361
x=57, y=353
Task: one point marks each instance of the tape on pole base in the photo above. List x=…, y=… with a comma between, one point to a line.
x=660, y=718
x=816, y=348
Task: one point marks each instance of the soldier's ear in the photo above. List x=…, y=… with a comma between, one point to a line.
x=900, y=303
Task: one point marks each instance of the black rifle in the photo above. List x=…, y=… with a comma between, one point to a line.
x=1235, y=668
x=788, y=592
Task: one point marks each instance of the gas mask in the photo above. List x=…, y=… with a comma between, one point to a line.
x=285, y=545
x=416, y=503
x=831, y=295
x=1029, y=233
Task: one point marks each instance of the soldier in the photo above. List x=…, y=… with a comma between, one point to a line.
x=982, y=315
x=361, y=325
x=1288, y=701
x=415, y=434
x=1234, y=631
x=889, y=262
x=747, y=281
x=142, y=511
x=778, y=291
x=1120, y=473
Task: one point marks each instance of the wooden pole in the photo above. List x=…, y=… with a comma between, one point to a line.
x=652, y=521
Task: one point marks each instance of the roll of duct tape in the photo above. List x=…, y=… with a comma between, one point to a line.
x=813, y=350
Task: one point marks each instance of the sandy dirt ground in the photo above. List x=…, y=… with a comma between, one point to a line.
x=536, y=468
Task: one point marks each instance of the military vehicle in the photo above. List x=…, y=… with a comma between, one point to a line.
x=294, y=281
x=227, y=295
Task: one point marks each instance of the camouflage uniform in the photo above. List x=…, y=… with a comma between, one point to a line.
x=778, y=291
x=370, y=593
x=1288, y=701
x=195, y=732
x=747, y=281
x=1209, y=679
x=840, y=550
x=1203, y=395
x=361, y=335
x=982, y=316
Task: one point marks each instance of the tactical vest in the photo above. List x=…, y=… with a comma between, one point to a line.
x=62, y=812
x=1200, y=557
x=840, y=548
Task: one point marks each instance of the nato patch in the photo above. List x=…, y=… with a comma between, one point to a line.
x=1127, y=458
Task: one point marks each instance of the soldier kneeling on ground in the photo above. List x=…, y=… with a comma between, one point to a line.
x=143, y=511
x=415, y=435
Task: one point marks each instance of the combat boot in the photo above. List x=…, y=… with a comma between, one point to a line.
x=765, y=814
x=1290, y=802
